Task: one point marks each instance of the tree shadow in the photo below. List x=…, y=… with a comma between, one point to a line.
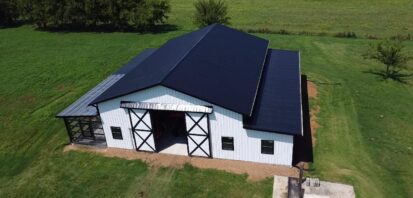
x=164, y=28
x=157, y=29
x=14, y=24
x=396, y=76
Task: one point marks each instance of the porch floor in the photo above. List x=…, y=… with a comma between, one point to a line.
x=98, y=142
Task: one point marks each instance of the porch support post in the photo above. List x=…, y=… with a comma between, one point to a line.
x=68, y=130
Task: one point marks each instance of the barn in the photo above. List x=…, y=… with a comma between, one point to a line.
x=215, y=92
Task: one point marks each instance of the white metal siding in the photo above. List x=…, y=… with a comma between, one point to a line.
x=223, y=122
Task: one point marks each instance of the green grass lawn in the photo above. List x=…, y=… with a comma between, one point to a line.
x=380, y=18
x=41, y=73
x=364, y=137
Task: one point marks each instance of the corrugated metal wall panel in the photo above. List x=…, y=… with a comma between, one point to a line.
x=223, y=122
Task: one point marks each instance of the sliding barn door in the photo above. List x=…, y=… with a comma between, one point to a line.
x=142, y=130
x=197, y=125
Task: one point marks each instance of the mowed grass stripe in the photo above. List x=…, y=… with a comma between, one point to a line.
x=378, y=18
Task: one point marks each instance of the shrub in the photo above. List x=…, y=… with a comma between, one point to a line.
x=370, y=36
x=346, y=35
x=402, y=37
x=260, y=30
x=282, y=31
x=149, y=14
x=209, y=12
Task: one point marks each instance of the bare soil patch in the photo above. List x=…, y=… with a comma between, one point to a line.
x=313, y=122
x=313, y=94
x=312, y=90
x=255, y=171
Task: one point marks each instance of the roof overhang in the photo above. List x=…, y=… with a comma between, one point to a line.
x=165, y=107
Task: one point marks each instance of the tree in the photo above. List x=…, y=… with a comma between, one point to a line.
x=44, y=12
x=210, y=11
x=8, y=12
x=137, y=15
x=160, y=9
x=391, y=54
x=74, y=13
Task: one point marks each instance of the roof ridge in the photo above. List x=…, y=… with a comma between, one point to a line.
x=260, y=77
x=209, y=28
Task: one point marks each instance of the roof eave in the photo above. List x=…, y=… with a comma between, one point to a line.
x=272, y=131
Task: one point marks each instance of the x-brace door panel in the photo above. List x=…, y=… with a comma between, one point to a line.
x=197, y=125
x=142, y=130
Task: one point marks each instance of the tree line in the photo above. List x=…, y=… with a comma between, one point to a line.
x=138, y=15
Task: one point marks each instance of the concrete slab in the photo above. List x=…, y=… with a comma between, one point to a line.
x=176, y=149
x=329, y=189
x=280, y=187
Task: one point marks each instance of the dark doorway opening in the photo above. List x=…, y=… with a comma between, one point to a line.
x=169, y=130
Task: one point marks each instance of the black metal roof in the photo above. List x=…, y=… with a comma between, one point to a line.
x=278, y=104
x=81, y=106
x=217, y=64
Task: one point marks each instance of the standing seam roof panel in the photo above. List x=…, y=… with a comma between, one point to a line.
x=278, y=105
x=216, y=64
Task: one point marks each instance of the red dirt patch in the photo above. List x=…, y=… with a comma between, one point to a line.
x=314, y=124
x=312, y=90
x=255, y=171
x=313, y=94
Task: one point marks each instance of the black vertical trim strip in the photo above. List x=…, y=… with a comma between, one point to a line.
x=187, y=135
x=132, y=129
x=68, y=130
x=209, y=137
x=151, y=128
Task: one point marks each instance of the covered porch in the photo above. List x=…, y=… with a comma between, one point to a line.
x=85, y=130
x=83, y=123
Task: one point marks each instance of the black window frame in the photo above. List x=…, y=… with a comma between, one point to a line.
x=266, y=147
x=227, y=145
x=116, y=135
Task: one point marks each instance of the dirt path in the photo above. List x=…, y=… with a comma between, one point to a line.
x=255, y=171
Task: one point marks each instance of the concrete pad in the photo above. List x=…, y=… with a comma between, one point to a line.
x=329, y=189
x=176, y=149
x=280, y=187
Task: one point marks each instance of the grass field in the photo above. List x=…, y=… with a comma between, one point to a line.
x=380, y=18
x=41, y=73
x=364, y=137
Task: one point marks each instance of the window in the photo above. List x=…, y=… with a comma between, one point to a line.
x=227, y=143
x=267, y=147
x=116, y=133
